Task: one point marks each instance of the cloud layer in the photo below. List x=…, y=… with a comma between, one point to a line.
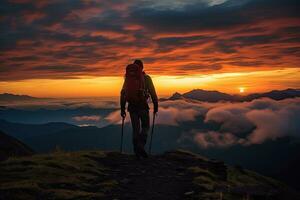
x=221, y=124
x=227, y=124
x=262, y=119
x=68, y=39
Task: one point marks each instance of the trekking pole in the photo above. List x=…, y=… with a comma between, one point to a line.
x=121, y=145
x=150, y=145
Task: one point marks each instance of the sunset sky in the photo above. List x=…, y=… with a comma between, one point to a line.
x=80, y=48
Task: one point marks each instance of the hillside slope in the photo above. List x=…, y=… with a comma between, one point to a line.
x=10, y=146
x=111, y=175
x=277, y=158
x=24, y=132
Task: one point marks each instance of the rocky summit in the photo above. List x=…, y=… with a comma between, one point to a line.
x=111, y=175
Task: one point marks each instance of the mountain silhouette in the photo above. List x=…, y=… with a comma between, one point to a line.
x=10, y=146
x=26, y=131
x=275, y=94
x=204, y=95
x=216, y=96
x=110, y=175
x=14, y=97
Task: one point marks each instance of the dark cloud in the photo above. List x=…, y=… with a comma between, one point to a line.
x=244, y=63
x=253, y=40
x=61, y=68
x=200, y=67
x=169, y=43
x=108, y=34
x=9, y=8
x=25, y=58
x=274, y=8
x=220, y=46
x=292, y=50
x=191, y=18
x=199, y=17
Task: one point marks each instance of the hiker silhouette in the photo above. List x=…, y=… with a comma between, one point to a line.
x=137, y=88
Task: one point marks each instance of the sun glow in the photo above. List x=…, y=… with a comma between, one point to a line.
x=242, y=89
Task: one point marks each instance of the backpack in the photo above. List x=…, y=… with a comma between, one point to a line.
x=135, y=92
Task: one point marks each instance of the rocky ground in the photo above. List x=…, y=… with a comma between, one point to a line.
x=111, y=175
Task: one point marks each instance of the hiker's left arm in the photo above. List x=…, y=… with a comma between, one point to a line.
x=153, y=94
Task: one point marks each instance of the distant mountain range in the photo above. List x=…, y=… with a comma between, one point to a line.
x=196, y=94
x=10, y=146
x=215, y=96
x=15, y=97
x=26, y=131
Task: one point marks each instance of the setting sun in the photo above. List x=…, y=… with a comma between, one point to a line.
x=242, y=89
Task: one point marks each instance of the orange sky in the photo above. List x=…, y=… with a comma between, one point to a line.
x=80, y=48
x=259, y=81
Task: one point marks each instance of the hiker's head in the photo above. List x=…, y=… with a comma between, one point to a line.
x=139, y=63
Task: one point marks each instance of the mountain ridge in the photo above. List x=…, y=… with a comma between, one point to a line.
x=6, y=97
x=110, y=175
x=216, y=96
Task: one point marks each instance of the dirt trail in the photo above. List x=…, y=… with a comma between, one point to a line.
x=157, y=177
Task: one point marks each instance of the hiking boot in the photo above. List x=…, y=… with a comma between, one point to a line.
x=143, y=153
x=137, y=152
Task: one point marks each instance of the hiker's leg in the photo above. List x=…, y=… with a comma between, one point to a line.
x=135, y=122
x=145, y=121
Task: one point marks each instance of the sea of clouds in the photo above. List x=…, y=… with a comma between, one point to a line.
x=243, y=123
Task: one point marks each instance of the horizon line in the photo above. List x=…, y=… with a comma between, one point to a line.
x=161, y=96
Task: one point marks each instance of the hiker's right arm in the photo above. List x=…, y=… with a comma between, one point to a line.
x=123, y=101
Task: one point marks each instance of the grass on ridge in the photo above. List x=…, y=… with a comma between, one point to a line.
x=60, y=175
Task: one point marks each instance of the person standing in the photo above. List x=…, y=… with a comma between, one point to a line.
x=137, y=88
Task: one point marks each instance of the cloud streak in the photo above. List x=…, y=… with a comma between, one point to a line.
x=215, y=139
x=94, y=118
